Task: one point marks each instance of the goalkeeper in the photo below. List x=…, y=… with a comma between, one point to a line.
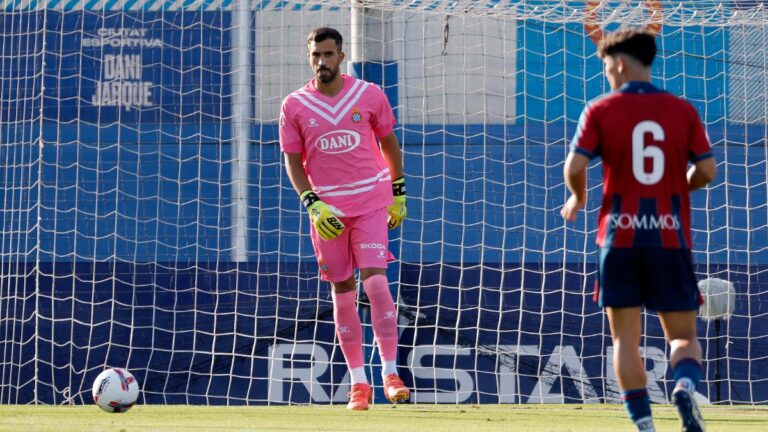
x=353, y=189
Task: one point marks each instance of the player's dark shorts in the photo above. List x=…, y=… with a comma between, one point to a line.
x=661, y=279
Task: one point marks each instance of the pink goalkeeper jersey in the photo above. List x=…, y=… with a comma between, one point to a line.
x=337, y=139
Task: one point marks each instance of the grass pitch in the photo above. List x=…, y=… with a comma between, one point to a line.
x=401, y=418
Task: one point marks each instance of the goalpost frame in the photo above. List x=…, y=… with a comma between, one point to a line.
x=242, y=118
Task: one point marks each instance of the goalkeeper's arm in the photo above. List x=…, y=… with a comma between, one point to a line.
x=390, y=149
x=327, y=224
x=294, y=166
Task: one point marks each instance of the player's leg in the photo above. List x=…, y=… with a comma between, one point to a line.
x=680, y=330
x=350, y=334
x=348, y=327
x=383, y=316
x=626, y=329
x=676, y=298
x=384, y=321
x=369, y=240
x=336, y=266
x=621, y=293
x=685, y=359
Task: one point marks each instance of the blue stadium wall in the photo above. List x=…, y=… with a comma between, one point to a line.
x=107, y=220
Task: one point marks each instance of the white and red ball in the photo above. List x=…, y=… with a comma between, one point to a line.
x=115, y=390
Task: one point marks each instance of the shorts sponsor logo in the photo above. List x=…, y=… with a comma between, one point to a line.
x=372, y=246
x=645, y=222
x=340, y=141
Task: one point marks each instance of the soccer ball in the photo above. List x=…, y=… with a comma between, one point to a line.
x=115, y=390
x=719, y=298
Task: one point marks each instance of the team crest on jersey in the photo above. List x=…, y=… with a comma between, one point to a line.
x=356, y=116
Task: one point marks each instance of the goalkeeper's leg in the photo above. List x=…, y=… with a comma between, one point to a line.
x=369, y=240
x=384, y=320
x=628, y=365
x=350, y=334
x=383, y=316
x=336, y=266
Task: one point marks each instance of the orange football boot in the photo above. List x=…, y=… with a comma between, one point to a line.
x=395, y=389
x=360, y=397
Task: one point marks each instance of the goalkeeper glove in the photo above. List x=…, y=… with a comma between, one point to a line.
x=397, y=210
x=327, y=225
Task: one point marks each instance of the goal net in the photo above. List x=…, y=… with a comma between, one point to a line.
x=147, y=221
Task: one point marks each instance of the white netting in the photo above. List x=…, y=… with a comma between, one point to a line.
x=120, y=200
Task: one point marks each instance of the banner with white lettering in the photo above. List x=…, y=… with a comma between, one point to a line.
x=137, y=67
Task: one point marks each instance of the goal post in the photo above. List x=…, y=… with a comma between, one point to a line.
x=138, y=144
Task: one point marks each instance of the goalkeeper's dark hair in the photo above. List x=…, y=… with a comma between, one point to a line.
x=634, y=42
x=323, y=33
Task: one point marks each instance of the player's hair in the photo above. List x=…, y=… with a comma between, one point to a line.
x=322, y=33
x=638, y=43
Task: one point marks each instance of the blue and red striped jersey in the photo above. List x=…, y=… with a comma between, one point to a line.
x=645, y=137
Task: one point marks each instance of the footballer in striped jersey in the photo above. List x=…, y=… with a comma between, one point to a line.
x=646, y=139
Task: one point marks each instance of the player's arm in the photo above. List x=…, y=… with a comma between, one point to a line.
x=327, y=224
x=295, y=168
x=393, y=156
x=704, y=167
x=701, y=173
x=585, y=145
x=575, y=174
x=291, y=144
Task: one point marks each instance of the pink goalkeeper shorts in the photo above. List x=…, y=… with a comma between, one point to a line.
x=363, y=244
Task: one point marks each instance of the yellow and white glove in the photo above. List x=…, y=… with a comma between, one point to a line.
x=397, y=210
x=327, y=224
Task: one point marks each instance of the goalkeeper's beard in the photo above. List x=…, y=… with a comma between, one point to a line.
x=329, y=77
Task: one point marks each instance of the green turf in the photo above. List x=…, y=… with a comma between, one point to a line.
x=406, y=418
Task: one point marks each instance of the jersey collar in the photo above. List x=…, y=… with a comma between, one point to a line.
x=639, y=87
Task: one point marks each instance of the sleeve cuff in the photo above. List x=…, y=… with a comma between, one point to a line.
x=696, y=158
x=583, y=152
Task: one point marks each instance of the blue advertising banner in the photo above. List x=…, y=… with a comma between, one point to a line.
x=260, y=333
x=136, y=67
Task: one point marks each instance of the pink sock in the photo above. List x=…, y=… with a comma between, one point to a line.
x=383, y=316
x=348, y=328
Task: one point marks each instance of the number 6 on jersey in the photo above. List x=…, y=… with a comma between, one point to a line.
x=640, y=152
